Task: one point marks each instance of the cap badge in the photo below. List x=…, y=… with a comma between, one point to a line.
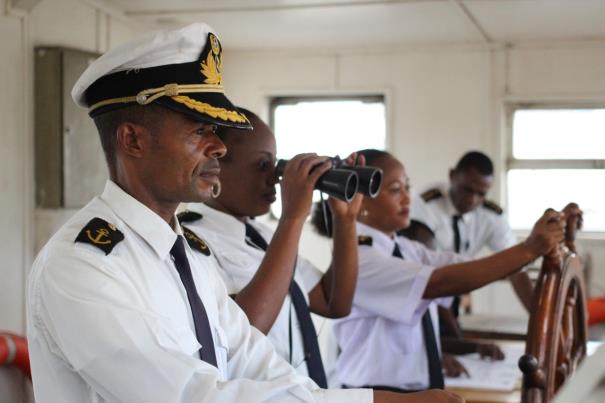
x=212, y=67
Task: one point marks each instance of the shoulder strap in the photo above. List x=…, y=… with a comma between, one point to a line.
x=101, y=234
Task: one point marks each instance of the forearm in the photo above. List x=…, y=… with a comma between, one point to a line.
x=523, y=288
x=338, y=283
x=465, y=277
x=458, y=346
x=449, y=322
x=262, y=298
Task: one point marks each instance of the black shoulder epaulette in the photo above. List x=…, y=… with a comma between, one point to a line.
x=490, y=205
x=101, y=234
x=188, y=216
x=364, y=240
x=195, y=242
x=431, y=194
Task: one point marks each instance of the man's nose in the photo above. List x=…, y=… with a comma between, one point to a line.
x=216, y=148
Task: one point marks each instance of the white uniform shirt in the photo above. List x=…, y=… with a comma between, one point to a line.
x=238, y=263
x=479, y=228
x=381, y=340
x=118, y=327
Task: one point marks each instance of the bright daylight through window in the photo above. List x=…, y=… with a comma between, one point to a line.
x=558, y=155
x=327, y=126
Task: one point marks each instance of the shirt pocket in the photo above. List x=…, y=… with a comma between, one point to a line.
x=222, y=352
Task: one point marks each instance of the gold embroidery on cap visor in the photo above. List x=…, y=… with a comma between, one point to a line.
x=212, y=111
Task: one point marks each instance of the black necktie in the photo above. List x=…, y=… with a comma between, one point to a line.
x=455, y=220
x=430, y=343
x=200, y=318
x=311, y=346
x=456, y=301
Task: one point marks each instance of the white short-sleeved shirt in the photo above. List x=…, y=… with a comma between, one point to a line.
x=117, y=326
x=485, y=226
x=381, y=340
x=239, y=262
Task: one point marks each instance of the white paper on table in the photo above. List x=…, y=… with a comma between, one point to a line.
x=490, y=375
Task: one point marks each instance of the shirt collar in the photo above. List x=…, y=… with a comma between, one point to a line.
x=219, y=222
x=150, y=226
x=450, y=208
x=380, y=240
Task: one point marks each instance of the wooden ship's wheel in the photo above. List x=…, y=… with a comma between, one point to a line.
x=557, y=330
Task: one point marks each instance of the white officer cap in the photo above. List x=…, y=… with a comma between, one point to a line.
x=178, y=69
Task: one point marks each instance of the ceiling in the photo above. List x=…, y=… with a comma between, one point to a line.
x=352, y=24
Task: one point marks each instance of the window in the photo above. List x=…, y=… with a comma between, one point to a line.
x=327, y=126
x=557, y=156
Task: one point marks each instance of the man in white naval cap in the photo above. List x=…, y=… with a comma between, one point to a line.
x=119, y=308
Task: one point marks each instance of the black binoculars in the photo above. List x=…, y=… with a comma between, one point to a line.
x=344, y=181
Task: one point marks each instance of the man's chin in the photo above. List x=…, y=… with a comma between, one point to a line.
x=199, y=196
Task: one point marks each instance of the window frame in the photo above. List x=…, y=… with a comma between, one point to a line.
x=544, y=164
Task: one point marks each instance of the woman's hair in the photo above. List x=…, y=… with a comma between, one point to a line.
x=321, y=217
x=372, y=155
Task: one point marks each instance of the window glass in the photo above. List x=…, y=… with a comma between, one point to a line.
x=559, y=134
x=335, y=127
x=531, y=191
x=327, y=127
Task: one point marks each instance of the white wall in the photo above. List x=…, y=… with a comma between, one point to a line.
x=441, y=102
x=70, y=23
x=50, y=22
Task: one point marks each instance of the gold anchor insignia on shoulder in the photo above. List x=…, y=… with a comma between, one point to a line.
x=101, y=234
x=195, y=242
x=364, y=240
x=431, y=194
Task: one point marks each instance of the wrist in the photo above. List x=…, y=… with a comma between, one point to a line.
x=344, y=219
x=291, y=221
x=531, y=250
x=344, y=226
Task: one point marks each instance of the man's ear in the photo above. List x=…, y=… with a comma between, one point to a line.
x=132, y=139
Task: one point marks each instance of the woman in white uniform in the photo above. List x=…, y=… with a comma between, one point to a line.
x=260, y=266
x=390, y=339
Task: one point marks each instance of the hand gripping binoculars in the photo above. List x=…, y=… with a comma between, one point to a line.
x=344, y=181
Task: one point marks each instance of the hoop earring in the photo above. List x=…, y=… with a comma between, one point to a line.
x=363, y=215
x=216, y=190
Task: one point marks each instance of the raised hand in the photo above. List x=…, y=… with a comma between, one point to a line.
x=548, y=232
x=297, y=184
x=344, y=210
